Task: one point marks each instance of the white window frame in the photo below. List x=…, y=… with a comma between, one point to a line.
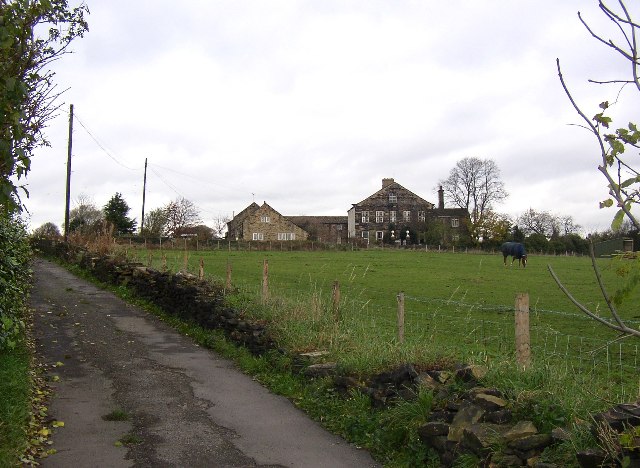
x=393, y=198
x=379, y=235
x=455, y=222
x=258, y=236
x=392, y=216
x=286, y=236
x=365, y=234
x=455, y=238
x=265, y=219
x=421, y=216
x=365, y=216
x=379, y=216
x=406, y=216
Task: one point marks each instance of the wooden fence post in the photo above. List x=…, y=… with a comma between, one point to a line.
x=265, y=281
x=336, y=300
x=523, y=341
x=229, y=269
x=201, y=272
x=400, y=298
x=164, y=262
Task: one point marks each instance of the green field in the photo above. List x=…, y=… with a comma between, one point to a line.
x=458, y=308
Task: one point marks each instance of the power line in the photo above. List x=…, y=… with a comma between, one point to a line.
x=101, y=146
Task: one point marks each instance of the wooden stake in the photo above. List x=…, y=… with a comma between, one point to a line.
x=336, y=300
x=265, y=281
x=201, y=273
x=400, y=298
x=164, y=262
x=523, y=342
x=229, y=269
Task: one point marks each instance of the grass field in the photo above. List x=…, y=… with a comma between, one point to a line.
x=458, y=308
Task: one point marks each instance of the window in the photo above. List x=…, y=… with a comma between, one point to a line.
x=379, y=216
x=286, y=236
x=421, y=216
x=393, y=198
x=455, y=222
x=265, y=219
x=258, y=236
x=406, y=216
x=365, y=234
x=392, y=216
x=339, y=227
x=365, y=216
x=379, y=235
x=455, y=237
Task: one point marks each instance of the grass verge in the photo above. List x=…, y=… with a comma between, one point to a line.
x=15, y=403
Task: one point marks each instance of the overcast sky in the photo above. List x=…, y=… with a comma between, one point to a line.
x=307, y=105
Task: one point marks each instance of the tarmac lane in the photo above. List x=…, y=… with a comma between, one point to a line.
x=187, y=406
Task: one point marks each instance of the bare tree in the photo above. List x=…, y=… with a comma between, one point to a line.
x=475, y=185
x=622, y=178
x=181, y=213
x=220, y=225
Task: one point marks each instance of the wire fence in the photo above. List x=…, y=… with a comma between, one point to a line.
x=568, y=343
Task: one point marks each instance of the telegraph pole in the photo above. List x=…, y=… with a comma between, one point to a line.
x=144, y=191
x=68, y=195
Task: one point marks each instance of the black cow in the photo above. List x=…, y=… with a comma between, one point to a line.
x=516, y=250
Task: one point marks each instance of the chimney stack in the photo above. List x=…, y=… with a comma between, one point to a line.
x=441, y=199
x=387, y=182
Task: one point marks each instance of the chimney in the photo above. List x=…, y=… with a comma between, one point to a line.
x=387, y=182
x=441, y=199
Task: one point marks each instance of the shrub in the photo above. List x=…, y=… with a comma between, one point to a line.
x=15, y=274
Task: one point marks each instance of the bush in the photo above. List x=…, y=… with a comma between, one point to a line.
x=15, y=275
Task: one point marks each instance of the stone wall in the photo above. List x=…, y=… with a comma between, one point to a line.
x=182, y=295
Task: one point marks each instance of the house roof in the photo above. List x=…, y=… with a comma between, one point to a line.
x=244, y=213
x=317, y=219
x=393, y=185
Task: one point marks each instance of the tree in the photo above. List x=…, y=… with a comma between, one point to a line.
x=181, y=213
x=475, y=185
x=538, y=222
x=27, y=92
x=494, y=229
x=220, y=225
x=48, y=230
x=85, y=217
x=546, y=224
x=115, y=212
x=155, y=223
x=623, y=180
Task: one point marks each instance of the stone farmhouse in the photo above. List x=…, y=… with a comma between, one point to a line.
x=393, y=215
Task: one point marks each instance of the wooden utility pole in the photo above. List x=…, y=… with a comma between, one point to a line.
x=68, y=193
x=144, y=191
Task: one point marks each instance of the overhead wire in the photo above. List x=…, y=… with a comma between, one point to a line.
x=155, y=172
x=86, y=129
